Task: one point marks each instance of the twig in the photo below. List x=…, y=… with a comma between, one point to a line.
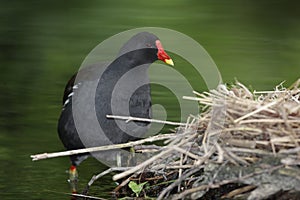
x=142, y=165
x=224, y=182
x=125, y=182
x=129, y=118
x=290, y=151
x=257, y=110
x=245, y=89
x=96, y=177
x=192, y=98
x=188, y=174
x=251, y=151
x=101, y=148
x=87, y=197
x=177, y=182
x=186, y=152
x=238, y=191
x=270, y=121
x=180, y=170
x=148, y=162
x=268, y=92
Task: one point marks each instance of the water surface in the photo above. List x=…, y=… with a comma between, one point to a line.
x=44, y=42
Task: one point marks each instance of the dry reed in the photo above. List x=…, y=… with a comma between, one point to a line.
x=243, y=145
x=247, y=139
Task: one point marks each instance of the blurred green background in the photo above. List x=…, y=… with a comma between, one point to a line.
x=42, y=43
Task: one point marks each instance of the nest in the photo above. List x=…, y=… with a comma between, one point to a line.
x=242, y=145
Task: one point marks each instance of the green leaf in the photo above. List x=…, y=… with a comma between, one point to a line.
x=136, y=188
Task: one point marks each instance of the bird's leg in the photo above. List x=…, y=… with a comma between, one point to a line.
x=73, y=178
x=131, y=159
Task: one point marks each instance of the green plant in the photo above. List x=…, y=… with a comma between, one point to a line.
x=136, y=188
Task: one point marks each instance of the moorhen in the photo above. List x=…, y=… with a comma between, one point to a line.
x=138, y=52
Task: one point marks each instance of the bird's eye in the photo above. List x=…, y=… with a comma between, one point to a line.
x=148, y=45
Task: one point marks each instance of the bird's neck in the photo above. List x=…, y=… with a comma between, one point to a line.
x=136, y=58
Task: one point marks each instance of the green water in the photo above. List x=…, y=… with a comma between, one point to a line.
x=43, y=42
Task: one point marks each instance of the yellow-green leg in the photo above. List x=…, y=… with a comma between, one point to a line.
x=73, y=178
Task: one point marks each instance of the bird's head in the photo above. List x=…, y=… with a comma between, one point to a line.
x=150, y=46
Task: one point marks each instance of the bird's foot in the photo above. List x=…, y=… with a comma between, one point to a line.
x=73, y=178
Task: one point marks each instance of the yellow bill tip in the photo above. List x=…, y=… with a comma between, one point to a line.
x=169, y=62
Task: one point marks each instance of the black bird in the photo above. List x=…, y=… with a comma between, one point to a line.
x=133, y=60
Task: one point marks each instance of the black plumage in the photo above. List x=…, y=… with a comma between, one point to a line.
x=101, y=82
